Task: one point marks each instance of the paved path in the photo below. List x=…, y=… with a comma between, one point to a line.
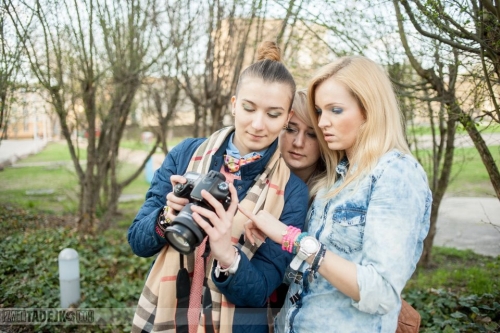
x=469, y=223
x=463, y=222
x=13, y=150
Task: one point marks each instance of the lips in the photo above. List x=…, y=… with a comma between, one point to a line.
x=295, y=155
x=256, y=136
x=328, y=137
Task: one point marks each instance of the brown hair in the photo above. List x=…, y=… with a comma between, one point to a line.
x=269, y=68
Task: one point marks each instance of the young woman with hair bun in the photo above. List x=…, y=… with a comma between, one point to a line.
x=224, y=285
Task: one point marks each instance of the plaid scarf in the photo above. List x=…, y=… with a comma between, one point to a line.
x=156, y=311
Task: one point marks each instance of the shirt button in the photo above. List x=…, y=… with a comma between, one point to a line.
x=239, y=188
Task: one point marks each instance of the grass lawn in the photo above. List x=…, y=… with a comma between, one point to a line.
x=426, y=130
x=469, y=177
x=139, y=145
x=53, y=186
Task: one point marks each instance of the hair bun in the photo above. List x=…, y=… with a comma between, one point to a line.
x=268, y=51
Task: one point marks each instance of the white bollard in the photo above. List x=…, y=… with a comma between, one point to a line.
x=69, y=277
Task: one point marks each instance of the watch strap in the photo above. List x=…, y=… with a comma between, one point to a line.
x=232, y=268
x=296, y=262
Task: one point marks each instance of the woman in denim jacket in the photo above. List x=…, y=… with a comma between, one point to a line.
x=370, y=214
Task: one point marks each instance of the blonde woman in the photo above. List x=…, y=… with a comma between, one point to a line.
x=299, y=144
x=370, y=214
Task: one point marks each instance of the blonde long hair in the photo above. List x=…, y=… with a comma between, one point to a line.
x=301, y=110
x=383, y=130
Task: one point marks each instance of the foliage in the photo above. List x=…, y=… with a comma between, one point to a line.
x=460, y=270
x=111, y=276
x=459, y=294
x=448, y=312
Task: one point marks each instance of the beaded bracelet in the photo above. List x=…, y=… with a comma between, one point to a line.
x=292, y=239
x=296, y=243
x=289, y=236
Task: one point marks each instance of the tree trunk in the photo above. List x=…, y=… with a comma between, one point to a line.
x=439, y=190
x=484, y=152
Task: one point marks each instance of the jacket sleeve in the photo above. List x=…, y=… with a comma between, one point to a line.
x=256, y=279
x=397, y=222
x=142, y=237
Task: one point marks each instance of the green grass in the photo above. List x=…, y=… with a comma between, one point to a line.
x=139, y=145
x=469, y=177
x=53, y=187
x=461, y=271
x=54, y=152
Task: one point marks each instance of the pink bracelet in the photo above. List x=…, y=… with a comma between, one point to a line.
x=293, y=236
x=289, y=236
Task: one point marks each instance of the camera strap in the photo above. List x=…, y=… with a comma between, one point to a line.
x=183, y=288
x=206, y=295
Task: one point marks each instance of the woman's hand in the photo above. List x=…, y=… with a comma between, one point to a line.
x=263, y=224
x=174, y=202
x=219, y=233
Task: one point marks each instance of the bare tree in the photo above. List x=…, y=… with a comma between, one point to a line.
x=472, y=27
x=161, y=98
x=10, y=66
x=213, y=56
x=91, y=57
x=478, y=40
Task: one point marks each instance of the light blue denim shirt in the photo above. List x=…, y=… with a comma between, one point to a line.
x=378, y=223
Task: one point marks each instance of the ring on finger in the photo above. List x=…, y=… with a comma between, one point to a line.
x=165, y=212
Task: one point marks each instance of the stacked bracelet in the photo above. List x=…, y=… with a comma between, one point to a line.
x=318, y=259
x=289, y=236
x=296, y=243
x=162, y=222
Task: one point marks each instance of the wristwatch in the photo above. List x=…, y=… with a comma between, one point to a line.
x=308, y=246
x=231, y=269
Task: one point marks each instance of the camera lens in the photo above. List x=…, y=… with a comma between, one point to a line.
x=184, y=234
x=178, y=238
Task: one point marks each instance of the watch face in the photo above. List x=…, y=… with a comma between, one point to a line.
x=309, y=244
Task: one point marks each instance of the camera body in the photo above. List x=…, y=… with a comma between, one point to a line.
x=214, y=183
x=184, y=234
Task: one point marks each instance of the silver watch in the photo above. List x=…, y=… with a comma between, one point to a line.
x=308, y=246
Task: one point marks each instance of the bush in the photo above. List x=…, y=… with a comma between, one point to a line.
x=111, y=276
x=445, y=311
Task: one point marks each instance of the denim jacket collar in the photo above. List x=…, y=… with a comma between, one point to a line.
x=342, y=167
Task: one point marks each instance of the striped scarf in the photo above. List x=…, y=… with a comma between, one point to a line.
x=157, y=304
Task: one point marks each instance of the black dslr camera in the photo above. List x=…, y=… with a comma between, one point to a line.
x=184, y=234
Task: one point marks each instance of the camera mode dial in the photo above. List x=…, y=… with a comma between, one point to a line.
x=223, y=186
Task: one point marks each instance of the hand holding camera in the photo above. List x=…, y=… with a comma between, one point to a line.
x=209, y=198
x=174, y=202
